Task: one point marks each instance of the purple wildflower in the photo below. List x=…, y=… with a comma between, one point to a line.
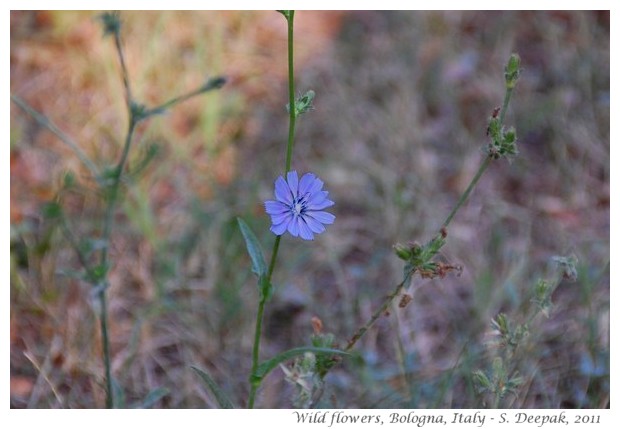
x=299, y=206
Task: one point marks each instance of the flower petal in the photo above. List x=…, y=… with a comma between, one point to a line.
x=323, y=217
x=283, y=192
x=307, y=180
x=279, y=229
x=275, y=207
x=304, y=230
x=316, y=186
x=293, y=182
x=318, y=197
x=319, y=201
x=277, y=219
x=323, y=205
x=315, y=226
x=293, y=226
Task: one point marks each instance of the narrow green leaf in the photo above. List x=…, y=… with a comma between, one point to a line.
x=119, y=394
x=254, y=250
x=69, y=180
x=267, y=366
x=152, y=398
x=51, y=210
x=482, y=379
x=220, y=396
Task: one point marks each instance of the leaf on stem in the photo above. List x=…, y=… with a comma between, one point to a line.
x=259, y=267
x=152, y=398
x=267, y=366
x=220, y=396
x=119, y=394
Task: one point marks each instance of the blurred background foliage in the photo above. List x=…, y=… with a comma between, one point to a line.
x=400, y=115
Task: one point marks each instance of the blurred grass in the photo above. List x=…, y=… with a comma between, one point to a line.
x=401, y=108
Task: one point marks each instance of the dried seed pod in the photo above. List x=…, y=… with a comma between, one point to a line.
x=405, y=300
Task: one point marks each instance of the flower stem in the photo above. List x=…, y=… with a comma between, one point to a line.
x=375, y=316
x=291, y=93
x=103, y=320
x=259, y=325
x=47, y=123
x=108, y=223
x=254, y=385
x=256, y=350
x=485, y=164
x=502, y=113
x=212, y=84
x=124, y=72
x=274, y=254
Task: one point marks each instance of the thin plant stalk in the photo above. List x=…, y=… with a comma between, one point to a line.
x=108, y=223
x=483, y=167
x=276, y=245
x=388, y=300
x=107, y=230
x=44, y=121
x=111, y=186
x=136, y=114
x=378, y=313
x=105, y=341
x=291, y=93
x=485, y=164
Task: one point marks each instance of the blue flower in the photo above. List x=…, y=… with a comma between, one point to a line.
x=299, y=206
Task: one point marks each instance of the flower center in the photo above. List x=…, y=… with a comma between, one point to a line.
x=299, y=205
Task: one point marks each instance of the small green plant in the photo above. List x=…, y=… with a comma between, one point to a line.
x=513, y=339
x=94, y=252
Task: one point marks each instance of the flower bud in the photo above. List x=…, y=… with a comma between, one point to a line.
x=111, y=23
x=402, y=251
x=511, y=136
x=512, y=70
x=305, y=102
x=214, y=83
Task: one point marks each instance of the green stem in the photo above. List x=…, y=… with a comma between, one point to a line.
x=209, y=86
x=485, y=164
x=103, y=320
x=114, y=190
x=47, y=123
x=125, y=74
x=274, y=254
x=291, y=94
x=107, y=230
x=108, y=223
x=259, y=325
x=168, y=104
x=276, y=245
x=256, y=350
x=502, y=113
x=375, y=316
x=496, y=399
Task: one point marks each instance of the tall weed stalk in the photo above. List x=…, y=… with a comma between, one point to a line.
x=94, y=253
